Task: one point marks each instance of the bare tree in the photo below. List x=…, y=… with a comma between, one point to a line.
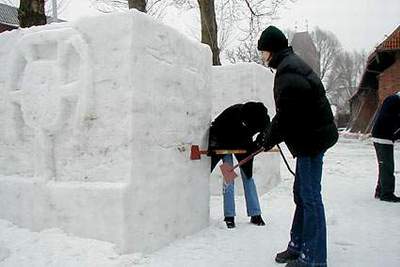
x=252, y=18
x=328, y=47
x=209, y=28
x=138, y=4
x=218, y=19
x=246, y=51
x=207, y=15
x=344, y=77
x=48, y=5
x=154, y=8
x=61, y=6
x=31, y=12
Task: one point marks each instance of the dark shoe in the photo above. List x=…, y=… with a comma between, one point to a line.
x=286, y=256
x=296, y=263
x=230, y=222
x=257, y=220
x=390, y=198
x=377, y=193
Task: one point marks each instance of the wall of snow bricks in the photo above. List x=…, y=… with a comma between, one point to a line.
x=97, y=117
x=97, y=120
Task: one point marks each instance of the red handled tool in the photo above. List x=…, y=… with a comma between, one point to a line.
x=228, y=171
x=195, y=152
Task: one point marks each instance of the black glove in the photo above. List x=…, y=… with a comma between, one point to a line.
x=212, y=145
x=268, y=146
x=262, y=141
x=253, y=146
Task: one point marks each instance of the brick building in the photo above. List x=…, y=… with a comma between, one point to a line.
x=380, y=79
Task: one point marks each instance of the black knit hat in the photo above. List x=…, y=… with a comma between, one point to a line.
x=272, y=40
x=255, y=115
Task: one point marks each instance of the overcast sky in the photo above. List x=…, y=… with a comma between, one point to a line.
x=358, y=24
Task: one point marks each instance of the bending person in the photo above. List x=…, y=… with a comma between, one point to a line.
x=234, y=128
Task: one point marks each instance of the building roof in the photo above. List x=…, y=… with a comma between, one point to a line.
x=9, y=15
x=391, y=42
x=380, y=59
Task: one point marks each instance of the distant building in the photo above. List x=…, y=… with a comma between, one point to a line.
x=304, y=46
x=380, y=79
x=9, y=18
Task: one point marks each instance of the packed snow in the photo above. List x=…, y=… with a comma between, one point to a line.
x=96, y=125
x=239, y=83
x=362, y=231
x=92, y=146
x=97, y=122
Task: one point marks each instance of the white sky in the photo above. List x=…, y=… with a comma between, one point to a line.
x=358, y=24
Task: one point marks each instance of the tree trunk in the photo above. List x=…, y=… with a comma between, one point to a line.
x=209, y=28
x=31, y=13
x=138, y=4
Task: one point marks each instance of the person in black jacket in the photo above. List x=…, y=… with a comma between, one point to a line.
x=234, y=128
x=304, y=121
x=385, y=131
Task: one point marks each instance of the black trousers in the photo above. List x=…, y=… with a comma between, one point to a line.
x=386, y=180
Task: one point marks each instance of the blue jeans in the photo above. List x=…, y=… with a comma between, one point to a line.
x=250, y=193
x=308, y=233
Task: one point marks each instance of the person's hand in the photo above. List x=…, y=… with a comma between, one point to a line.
x=260, y=140
x=268, y=146
x=212, y=146
x=396, y=134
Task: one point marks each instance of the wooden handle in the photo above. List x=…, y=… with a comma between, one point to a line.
x=229, y=151
x=233, y=151
x=249, y=157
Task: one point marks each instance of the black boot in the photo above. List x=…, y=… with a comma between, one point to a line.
x=390, y=198
x=286, y=256
x=296, y=263
x=377, y=193
x=230, y=222
x=257, y=220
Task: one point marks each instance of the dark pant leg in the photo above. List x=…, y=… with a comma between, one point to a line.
x=386, y=180
x=296, y=231
x=313, y=250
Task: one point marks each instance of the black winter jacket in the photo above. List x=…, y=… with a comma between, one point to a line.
x=228, y=132
x=388, y=119
x=303, y=119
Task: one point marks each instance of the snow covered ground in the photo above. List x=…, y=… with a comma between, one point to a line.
x=361, y=230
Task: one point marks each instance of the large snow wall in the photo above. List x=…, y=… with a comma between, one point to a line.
x=97, y=117
x=241, y=83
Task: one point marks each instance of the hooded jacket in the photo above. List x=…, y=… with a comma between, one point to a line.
x=234, y=128
x=388, y=120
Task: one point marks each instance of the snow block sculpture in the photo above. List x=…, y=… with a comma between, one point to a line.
x=241, y=83
x=97, y=118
